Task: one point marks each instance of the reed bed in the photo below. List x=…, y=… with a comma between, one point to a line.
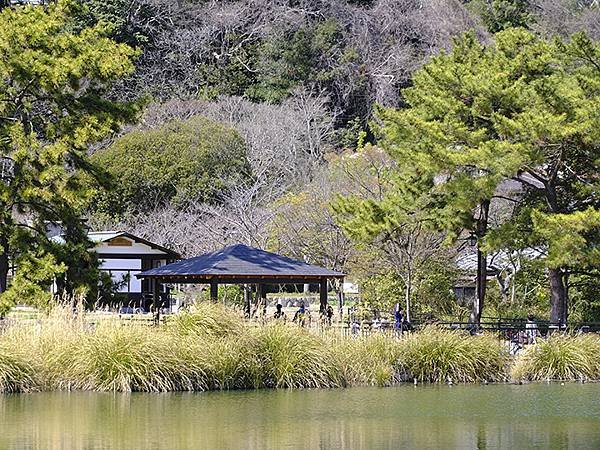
x=372, y=360
x=231, y=363
x=291, y=357
x=17, y=372
x=560, y=357
x=211, y=348
x=439, y=356
x=208, y=319
x=126, y=358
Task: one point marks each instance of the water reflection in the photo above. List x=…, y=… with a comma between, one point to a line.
x=478, y=417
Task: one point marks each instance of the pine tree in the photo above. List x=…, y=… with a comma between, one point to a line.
x=52, y=106
x=522, y=109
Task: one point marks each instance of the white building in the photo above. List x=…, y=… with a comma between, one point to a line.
x=123, y=255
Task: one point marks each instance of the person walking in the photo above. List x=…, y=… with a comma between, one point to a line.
x=279, y=314
x=531, y=329
x=329, y=314
x=399, y=319
x=300, y=316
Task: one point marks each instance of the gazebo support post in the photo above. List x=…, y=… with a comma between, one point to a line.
x=340, y=296
x=156, y=300
x=247, y=300
x=261, y=298
x=214, y=289
x=323, y=295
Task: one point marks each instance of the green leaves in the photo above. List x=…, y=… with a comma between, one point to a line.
x=516, y=120
x=36, y=272
x=572, y=239
x=195, y=160
x=52, y=107
x=482, y=115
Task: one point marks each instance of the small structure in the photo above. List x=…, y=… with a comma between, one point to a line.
x=124, y=256
x=241, y=264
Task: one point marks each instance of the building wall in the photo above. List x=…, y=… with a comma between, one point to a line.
x=123, y=259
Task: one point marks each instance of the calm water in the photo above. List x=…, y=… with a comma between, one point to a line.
x=464, y=417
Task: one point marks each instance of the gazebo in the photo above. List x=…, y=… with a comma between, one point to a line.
x=241, y=264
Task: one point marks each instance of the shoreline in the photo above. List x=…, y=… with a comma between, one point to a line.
x=212, y=349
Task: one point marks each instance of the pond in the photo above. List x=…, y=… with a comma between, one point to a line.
x=461, y=416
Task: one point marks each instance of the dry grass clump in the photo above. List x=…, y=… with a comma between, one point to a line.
x=373, y=360
x=231, y=363
x=54, y=343
x=125, y=358
x=291, y=357
x=436, y=355
x=208, y=319
x=210, y=347
x=18, y=373
x=560, y=357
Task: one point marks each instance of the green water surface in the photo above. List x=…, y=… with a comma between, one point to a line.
x=453, y=417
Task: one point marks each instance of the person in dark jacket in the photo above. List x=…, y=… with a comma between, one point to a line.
x=329, y=314
x=279, y=314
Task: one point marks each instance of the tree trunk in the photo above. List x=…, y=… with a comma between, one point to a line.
x=481, y=282
x=557, y=278
x=4, y=263
x=407, y=295
x=558, y=297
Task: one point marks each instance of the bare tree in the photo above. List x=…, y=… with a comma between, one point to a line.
x=565, y=17
x=285, y=143
x=395, y=37
x=244, y=216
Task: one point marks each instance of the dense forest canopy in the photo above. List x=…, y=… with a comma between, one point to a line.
x=264, y=121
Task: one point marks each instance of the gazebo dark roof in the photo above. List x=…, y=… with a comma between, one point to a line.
x=239, y=264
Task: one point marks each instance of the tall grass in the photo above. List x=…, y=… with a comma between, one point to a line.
x=373, y=360
x=431, y=355
x=208, y=319
x=54, y=342
x=17, y=371
x=231, y=363
x=210, y=347
x=291, y=357
x=120, y=357
x=561, y=357
x=439, y=356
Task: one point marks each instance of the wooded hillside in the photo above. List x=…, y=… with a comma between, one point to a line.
x=259, y=120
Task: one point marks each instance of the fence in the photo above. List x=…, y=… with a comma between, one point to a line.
x=509, y=330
